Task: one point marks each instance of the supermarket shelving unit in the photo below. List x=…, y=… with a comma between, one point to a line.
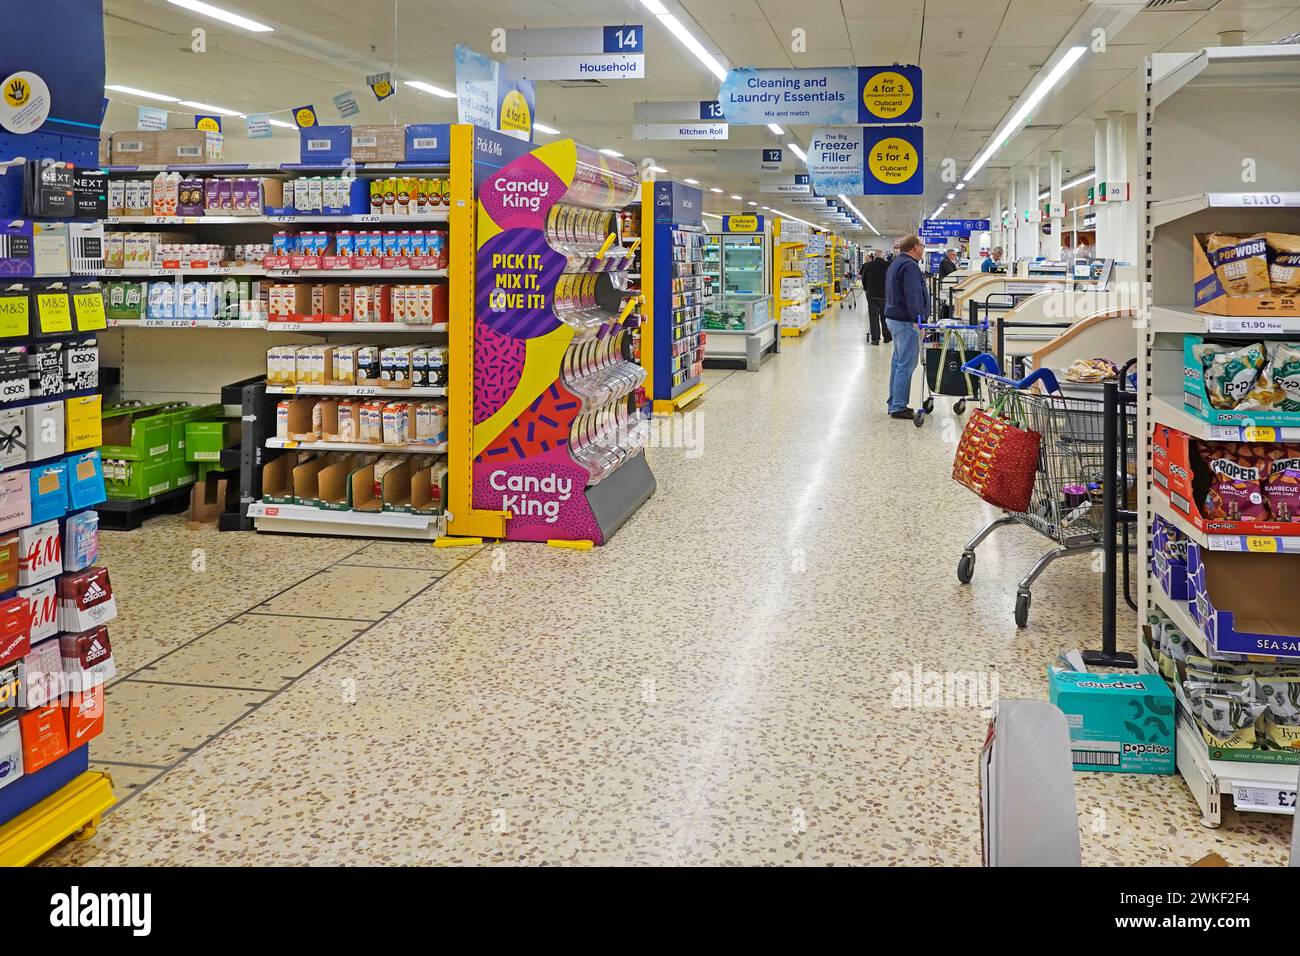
x=789, y=263
x=1197, y=137
x=155, y=360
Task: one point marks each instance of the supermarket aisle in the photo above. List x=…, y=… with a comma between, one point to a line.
x=729, y=681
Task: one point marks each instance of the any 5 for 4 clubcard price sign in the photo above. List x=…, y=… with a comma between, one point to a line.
x=893, y=161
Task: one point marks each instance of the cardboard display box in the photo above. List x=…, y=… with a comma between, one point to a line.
x=1246, y=603
x=1212, y=299
x=1105, y=734
x=135, y=433
x=1168, y=544
x=1185, y=479
x=379, y=144
x=208, y=499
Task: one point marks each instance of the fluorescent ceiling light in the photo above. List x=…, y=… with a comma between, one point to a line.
x=543, y=128
x=794, y=148
x=952, y=196
x=1070, y=185
x=961, y=186
x=208, y=107
x=655, y=7
x=714, y=189
x=145, y=93
x=225, y=16
x=858, y=212
x=282, y=124
x=691, y=182
x=658, y=169
x=776, y=129
x=611, y=152
x=1040, y=92
x=752, y=203
x=687, y=39
x=738, y=198
x=713, y=214
x=430, y=88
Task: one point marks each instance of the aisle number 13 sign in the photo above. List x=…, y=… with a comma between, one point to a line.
x=894, y=160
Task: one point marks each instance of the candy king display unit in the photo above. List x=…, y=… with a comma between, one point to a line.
x=558, y=423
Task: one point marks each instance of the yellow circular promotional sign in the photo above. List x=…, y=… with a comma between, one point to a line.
x=306, y=117
x=208, y=124
x=515, y=114
x=888, y=95
x=893, y=161
x=382, y=89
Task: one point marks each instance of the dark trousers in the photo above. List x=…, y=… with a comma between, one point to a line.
x=876, y=319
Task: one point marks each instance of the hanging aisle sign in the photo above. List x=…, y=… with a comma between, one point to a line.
x=209, y=124
x=786, y=185
x=954, y=228
x=150, y=118
x=867, y=161
x=491, y=96
x=680, y=131
x=838, y=95
x=680, y=111
x=381, y=84
x=578, y=53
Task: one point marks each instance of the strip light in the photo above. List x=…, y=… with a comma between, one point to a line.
x=794, y=148
x=282, y=124
x=610, y=152
x=858, y=212
x=1040, y=92
x=430, y=88
x=691, y=182
x=678, y=29
x=225, y=16
x=714, y=189
x=658, y=169
x=543, y=128
x=1070, y=185
x=737, y=198
x=208, y=107
x=131, y=90
x=776, y=129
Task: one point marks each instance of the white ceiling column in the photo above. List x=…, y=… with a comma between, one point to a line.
x=1052, y=247
x=1009, y=244
x=1132, y=238
x=1032, y=220
x=1103, y=242
x=997, y=235
x=1115, y=167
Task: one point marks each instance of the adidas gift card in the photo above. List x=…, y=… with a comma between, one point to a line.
x=87, y=659
x=86, y=599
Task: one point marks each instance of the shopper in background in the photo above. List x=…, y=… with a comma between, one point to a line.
x=907, y=303
x=873, y=283
x=948, y=265
x=993, y=262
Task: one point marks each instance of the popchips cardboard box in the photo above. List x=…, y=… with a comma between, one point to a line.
x=1118, y=722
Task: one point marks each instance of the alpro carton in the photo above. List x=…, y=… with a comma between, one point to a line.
x=1118, y=722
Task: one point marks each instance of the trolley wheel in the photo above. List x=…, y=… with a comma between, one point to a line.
x=966, y=567
x=960, y=407
x=918, y=417
x=928, y=405
x=1023, y=601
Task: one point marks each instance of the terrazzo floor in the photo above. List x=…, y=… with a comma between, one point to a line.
x=714, y=686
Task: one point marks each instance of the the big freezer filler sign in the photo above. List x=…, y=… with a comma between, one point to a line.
x=867, y=160
x=837, y=95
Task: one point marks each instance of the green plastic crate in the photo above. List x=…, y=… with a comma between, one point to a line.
x=204, y=441
x=147, y=478
x=136, y=433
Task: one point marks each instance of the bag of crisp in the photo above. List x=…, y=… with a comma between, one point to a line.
x=1283, y=262
x=1240, y=263
x=1231, y=372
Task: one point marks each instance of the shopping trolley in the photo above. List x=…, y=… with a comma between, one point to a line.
x=1069, y=503
x=946, y=347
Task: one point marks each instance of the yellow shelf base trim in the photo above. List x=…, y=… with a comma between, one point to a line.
x=445, y=542
x=583, y=545
x=670, y=406
x=74, y=810
x=795, y=333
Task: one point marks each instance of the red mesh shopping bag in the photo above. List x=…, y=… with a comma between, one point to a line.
x=997, y=460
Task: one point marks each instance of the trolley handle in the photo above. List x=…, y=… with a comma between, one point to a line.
x=986, y=366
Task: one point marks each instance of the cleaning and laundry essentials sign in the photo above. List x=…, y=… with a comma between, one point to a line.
x=867, y=161
x=839, y=95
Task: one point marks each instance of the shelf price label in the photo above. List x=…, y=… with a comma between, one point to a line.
x=1259, y=433
x=1263, y=799
x=1260, y=544
x=1233, y=323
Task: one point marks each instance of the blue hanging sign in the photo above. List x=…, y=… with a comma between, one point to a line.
x=837, y=95
x=954, y=228
x=867, y=161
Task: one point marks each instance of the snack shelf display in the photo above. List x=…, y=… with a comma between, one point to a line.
x=790, y=294
x=815, y=271
x=328, y=259
x=56, y=599
x=676, y=258
x=1219, y=482
x=551, y=427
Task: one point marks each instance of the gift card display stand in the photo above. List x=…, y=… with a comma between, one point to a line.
x=50, y=475
x=557, y=431
x=1192, y=126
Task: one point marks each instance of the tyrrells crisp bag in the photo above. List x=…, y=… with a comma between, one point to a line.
x=1241, y=263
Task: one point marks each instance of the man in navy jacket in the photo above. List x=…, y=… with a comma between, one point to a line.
x=907, y=302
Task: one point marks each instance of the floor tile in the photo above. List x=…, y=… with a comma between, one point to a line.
x=404, y=554
x=349, y=593
x=158, y=723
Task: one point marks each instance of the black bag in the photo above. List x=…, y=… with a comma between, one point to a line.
x=951, y=355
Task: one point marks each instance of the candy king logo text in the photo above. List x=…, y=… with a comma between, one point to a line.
x=522, y=194
x=523, y=491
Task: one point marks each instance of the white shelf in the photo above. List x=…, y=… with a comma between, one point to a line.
x=357, y=390
x=1165, y=211
x=273, y=220
x=353, y=327
x=305, y=519
x=419, y=448
x=356, y=273
x=1231, y=68
x=1181, y=617
x=186, y=324
x=1185, y=320
x=1168, y=410
x=1222, y=542
x=199, y=271
x=1224, y=776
